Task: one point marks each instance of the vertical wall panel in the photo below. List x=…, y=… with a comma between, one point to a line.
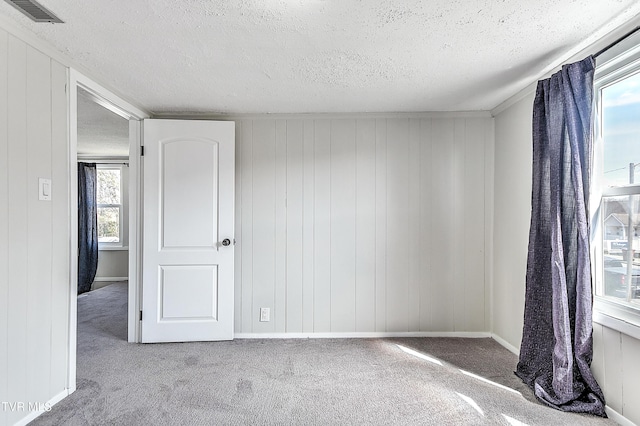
x=246, y=207
x=295, y=204
x=18, y=213
x=597, y=363
x=362, y=225
x=60, y=227
x=4, y=223
x=489, y=207
x=398, y=224
x=343, y=225
x=322, y=228
x=443, y=226
x=365, y=225
x=512, y=160
x=630, y=382
x=264, y=220
x=308, y=227
x=413, y=224
x=381, y=225
x=474, y=220
x=39, y=219
x=237, y=297
x=279, y=312
x=613, y=368
x=458, y=238
x=427, y=283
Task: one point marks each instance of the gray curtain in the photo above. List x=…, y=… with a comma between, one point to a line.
x=87, y=226
x=556, y=349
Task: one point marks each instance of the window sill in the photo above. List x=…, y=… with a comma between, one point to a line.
x=616, y=317
x=113, y=248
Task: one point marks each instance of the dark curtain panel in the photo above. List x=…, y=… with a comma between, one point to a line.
x=556, y=349
x=87, y=226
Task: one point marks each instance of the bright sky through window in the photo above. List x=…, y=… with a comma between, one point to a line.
x=621, y=130
x=109, y=206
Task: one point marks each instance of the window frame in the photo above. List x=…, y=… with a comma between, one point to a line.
x=612, y=66
x=103, y=245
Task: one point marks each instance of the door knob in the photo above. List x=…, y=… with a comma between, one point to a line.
x=226, y=242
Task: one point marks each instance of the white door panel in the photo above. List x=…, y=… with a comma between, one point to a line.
x=188, y=190
x=188, y=212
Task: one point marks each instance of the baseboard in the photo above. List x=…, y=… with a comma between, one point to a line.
x=100, y=279
x=34, y=414
x=618, y=418
x=505, y=344
x=361, y=335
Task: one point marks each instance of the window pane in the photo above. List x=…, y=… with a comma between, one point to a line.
x=621, y=266
x=108, y=186
x=108, y=224
x=621, y=131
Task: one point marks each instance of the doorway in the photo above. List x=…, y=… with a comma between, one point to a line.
x=103, y=156
x=97, y=96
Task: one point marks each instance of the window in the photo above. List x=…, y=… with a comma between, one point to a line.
x=109, y=200
x=616, y=188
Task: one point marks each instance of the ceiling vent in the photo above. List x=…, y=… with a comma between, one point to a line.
x=35, y=11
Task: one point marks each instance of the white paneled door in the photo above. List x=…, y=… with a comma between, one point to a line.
x=188, y=254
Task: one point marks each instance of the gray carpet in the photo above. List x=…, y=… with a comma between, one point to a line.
x=407, y=381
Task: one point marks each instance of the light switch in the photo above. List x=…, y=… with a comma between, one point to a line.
x=44, y=189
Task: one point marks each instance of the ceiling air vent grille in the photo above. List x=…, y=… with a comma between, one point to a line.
x=34, y=10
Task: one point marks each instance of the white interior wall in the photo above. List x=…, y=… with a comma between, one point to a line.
x=615, y=358
x=511, y=217
x=34, y=235
x=362, y=224
x=615, y=365
x=113, y=265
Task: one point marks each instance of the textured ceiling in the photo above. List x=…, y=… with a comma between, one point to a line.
x=282, y=56
x=101, y=133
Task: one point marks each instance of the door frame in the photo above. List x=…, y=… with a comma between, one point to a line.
x=135, y=115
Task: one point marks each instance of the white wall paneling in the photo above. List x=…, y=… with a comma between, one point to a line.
x=380, y=279
x=322, y=227
x=280, y=294
x=60, y=225
x=237, y=300
x=18, y=249
x=264, y=220
x=443, y=213
x=397, y=218
x=308, y=230
x=513, y=159
x=365, y=200
x=39, y=223
x=473, y=214
x=342, y=226
x=294, y=222
x=341, y=223
x=615, y=365
x=244, y=238
x=34, y=262
x=4, y=222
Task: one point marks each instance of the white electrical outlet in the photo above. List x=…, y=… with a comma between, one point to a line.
x=265, y=314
